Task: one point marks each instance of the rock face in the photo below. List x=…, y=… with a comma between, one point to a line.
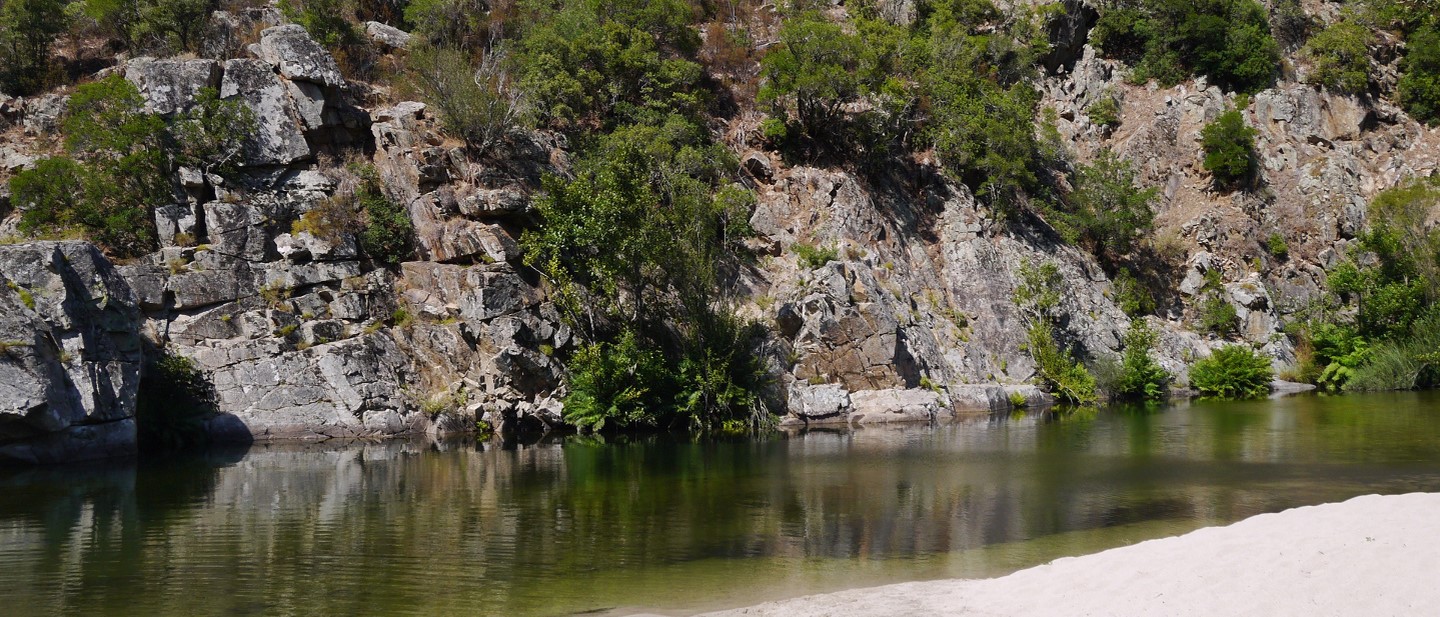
x=70, y=354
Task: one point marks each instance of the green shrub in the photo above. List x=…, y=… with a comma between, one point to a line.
x=1419, y=87
x=479, y=105
x=1228, y=41
x=1340, y=57
x=1038, y=298
x=175, y=399
x=1232, y=372
x=1229, y=146
x=1403, y=363
x=1218, y=315
x=819, y=68
x=1105, y=111
x=1106, y=209
x=1141, y=377
x=1132, y=296
x=1276, y=246
x=329, y=22
x=584, y=70
x=388, y=235
x=632, y=247
x=812, y=257
x=1056, y=368
x=462, y=24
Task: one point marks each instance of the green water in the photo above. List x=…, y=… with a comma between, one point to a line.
x=660, y=525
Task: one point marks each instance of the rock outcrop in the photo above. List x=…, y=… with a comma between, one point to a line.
x=70, y=354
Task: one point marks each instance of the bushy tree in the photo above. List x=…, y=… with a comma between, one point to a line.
x=582, y=71
x=1340, y=57
x=634, y=246
x=1141, y=377
x=1229, y=146
x=152, y=26
x=1106, y=209
x=27, y=28
x=1232, y=372
x=819, y=69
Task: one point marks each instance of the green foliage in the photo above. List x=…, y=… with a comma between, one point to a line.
x=1336, y=352
x=161, y=27
x=1106, y=209
x=174, y=401
x=1340, y=55
x=1276, y=246
x=812, y=257
x=1419, y=88
x=819, y=69
x=1228, y=41
x=1105, y=111
x=120, y=164
x=27, y=29
x=1393, y=272
x=1038, y=294
x=583, y=68
x=388, y=234
x=1229, y=146
x=1217, y=315
x=122, y=171
x=1133, y=297
x=329, y=22
x=1056, y=368
x=1406, y=363
x=620, y=383
x=1232, y=372
x=462, y=24
x=209, y=136
x=633, y=246
x=982, y=117
x=1038, y=298
x=1141, y=377
x=479, y=105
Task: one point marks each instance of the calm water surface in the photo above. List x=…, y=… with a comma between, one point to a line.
x=661, y=525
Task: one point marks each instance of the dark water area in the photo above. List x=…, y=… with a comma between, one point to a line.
x=674, y=526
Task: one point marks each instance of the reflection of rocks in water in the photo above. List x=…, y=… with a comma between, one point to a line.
x=565, y=524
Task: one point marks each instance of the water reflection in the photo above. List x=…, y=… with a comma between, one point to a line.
x=555, y=528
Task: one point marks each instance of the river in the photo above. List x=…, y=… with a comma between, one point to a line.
x=669, y=525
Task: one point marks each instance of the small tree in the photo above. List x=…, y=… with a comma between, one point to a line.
x=1229, y=146
x=1107, y=209
x=1141, y=377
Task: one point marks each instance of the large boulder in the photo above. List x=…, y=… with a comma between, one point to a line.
x=277, y=139
x=70, y=354
x=298, y=56
x=171, y=85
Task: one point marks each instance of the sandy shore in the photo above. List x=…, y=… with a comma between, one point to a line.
x=1370, y=556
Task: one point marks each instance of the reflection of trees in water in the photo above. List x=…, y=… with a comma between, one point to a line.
x=396, y=526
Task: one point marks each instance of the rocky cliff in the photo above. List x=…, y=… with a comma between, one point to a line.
x=914, y=318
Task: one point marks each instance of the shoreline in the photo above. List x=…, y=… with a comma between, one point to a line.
x=1370, y=555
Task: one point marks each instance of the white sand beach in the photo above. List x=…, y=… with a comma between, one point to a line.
x=1371, y=556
